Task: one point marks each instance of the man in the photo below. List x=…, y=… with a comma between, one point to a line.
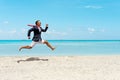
x=37, y=29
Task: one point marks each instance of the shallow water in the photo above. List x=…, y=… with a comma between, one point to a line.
x=63, y=48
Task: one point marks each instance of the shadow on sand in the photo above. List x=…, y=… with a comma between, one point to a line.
x=32, y=59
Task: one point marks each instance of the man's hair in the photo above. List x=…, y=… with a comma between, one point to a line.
x=37, y=21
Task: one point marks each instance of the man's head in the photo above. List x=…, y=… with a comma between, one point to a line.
x=38, y=23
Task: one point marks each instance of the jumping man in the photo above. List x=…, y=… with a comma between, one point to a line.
x=37, y=29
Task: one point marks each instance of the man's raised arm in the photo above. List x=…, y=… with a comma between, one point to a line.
x=44, y=30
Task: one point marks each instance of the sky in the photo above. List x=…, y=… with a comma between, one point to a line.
x=67, y=19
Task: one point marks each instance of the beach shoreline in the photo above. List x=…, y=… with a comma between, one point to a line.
x=60, y=67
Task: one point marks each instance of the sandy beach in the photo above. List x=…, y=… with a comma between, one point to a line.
x=60, y=68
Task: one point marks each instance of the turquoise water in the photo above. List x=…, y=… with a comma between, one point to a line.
x=63, y=48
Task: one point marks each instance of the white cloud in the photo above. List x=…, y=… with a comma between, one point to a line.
x=102, y=30
x=23, y=30
x=8, y=32
x=53, y=32
x=12, y=32
x=91, y=30
x=0, y=31
x=93, y=7
x=5, y=22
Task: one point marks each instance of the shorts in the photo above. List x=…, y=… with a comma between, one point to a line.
x=39, y=42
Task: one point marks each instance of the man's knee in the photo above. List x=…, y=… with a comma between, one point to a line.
x=45, y=42
x=30, y=47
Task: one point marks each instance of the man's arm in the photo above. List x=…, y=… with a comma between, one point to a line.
x=29, y=32
x=44, y=30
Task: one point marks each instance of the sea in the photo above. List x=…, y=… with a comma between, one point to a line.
x=63, y=48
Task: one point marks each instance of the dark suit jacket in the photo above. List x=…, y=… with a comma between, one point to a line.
x=37, y=33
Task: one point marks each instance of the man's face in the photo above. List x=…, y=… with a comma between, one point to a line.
x=39, y=23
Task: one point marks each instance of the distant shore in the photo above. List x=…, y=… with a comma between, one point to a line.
x=60, y=68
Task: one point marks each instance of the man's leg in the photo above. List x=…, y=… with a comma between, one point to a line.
x=49, y=45
x=25, y=47
x=28, y=47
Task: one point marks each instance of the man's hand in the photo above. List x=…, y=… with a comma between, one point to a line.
x=28, y=37
x=46, y=25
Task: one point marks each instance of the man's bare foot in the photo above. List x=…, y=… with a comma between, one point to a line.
x=20, y=48
x=53, y=48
